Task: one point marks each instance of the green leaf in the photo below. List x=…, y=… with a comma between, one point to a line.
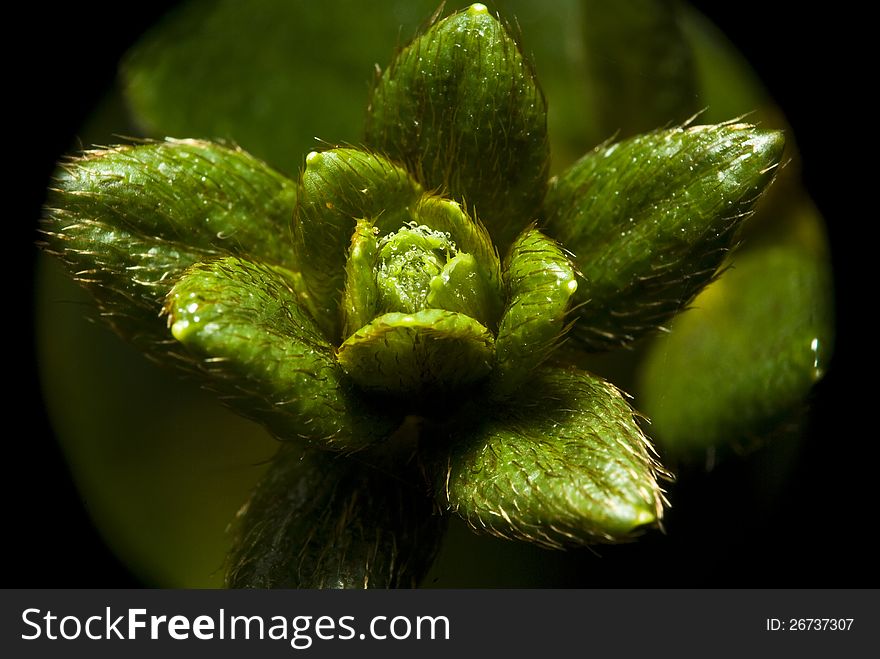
x=461, y=107
x=337, y=188
x=745, y=357
x=642, y=69
x=540, y=282
x=421, y=353
x=319, y=520
x=128, y=220
x=269, y=74
x=563, y=464
x=650, y=220
x=250, y=338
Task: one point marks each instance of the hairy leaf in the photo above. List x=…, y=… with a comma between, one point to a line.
x=337, y=188
x=461, y=107
x=540, y=282
x=413, y=354
x=360, y=299
x=563, y=464
x=319, y=520
x=128, y=220
x=471, y=237
x=255, y=344
x=650, y=220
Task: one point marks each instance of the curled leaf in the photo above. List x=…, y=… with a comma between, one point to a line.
x=337, y=188
x=409, y=261
x=412, y=354
x=540, y=283
x=460, y=287
x=471, y=237
x=360, y=299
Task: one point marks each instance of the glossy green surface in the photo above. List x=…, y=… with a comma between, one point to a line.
x=126, y=221
x=471, y=237
x=360, y=298
x=561, y=462
x=337, y=188
x=409, y=261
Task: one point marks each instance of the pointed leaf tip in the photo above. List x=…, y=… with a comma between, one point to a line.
x=461, y=107
x=540, y=282
x=337, y=188
x=128, y=220
x=650, y=219
x=563, y=464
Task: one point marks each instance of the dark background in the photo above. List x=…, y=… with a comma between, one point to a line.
x=814, y=534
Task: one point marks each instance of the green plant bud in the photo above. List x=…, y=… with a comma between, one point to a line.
x=416, y=268
x=641, y=67
x=745, y=357
x=461, y=108
x=564, y=464
x=128, y=220
x=409, y=259
x=540, y=282
x=365, y=303
x=320, y=520
x=650, y=219
x=337, y=188
x=253, y=342
x=420, y=353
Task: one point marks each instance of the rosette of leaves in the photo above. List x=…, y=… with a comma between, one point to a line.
x=393, y=315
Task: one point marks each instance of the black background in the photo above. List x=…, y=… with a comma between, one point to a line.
x=64, y=59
